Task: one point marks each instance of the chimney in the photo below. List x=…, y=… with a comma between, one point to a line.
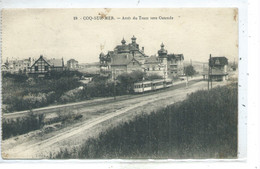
x=143, y=49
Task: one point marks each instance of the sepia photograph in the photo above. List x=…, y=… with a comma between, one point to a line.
x=111, y=83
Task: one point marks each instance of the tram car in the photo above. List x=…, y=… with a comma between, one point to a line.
x=153, y=85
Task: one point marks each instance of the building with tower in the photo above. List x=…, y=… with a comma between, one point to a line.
x=165, y=65
x=126, y=58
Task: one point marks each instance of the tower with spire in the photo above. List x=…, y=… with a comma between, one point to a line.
x=162, y=53
x=134, y=44
x=123, y=41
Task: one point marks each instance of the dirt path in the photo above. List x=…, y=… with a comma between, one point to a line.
x=35, y=147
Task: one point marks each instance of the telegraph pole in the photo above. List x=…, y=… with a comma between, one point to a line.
x=211, y=73
x=114, y=86
x=143, y=79
x=209, y=69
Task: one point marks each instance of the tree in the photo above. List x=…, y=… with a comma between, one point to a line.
x=127, y=80
x=154, y=77
x=189, y=70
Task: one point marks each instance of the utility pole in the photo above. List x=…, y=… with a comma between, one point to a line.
x=114, y=86
x=211, y=73
x=209, y=70
x=143, y=79
x=164, y=72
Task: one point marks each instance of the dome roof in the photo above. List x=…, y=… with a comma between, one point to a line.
x=162, y=51
x=133, y=38
x=162, y=45
x=123, y=41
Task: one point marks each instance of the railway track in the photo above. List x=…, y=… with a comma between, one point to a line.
x=94, y=102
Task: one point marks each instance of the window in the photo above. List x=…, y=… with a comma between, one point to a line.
x=45, y=68
x=36, y=68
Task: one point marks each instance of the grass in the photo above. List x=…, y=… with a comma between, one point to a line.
x=22, y=125
x=202, y=126
x=31, y=122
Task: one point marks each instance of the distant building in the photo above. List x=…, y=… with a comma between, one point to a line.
x=219, y=70
x=72, y=64
x=175, y=64
x=42, y=66
x=4, y=68
x=16, y=66
x=129, y=57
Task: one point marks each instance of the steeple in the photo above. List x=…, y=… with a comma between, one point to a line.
x=162, y=46
x=162, y=52
x=133, y=39
x=123, y=41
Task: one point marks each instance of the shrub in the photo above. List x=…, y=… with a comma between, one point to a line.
x=22, y=125
x=70, y=96
x=23, y=93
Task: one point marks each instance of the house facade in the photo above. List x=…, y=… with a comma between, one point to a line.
x=72, y=64
x=121, y=65
x=152, y=65
x=42, y=66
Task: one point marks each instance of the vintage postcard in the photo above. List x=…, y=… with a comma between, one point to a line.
x=152, y=83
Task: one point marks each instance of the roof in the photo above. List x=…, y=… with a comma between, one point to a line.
x=72, y=60
x=123, y=48
x=41, y=57
x=122, y=59
x=110, y=52
x=56, y=62
x=219, y=60
x=176, y=56
x=179, y=56
x=152, y=59
x=4, y=65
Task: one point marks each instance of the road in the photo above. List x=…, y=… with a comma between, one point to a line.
x=39, y=144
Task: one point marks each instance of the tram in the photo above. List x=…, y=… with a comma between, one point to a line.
x=153, y=85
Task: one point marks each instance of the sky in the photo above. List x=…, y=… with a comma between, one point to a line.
x=53, y=33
